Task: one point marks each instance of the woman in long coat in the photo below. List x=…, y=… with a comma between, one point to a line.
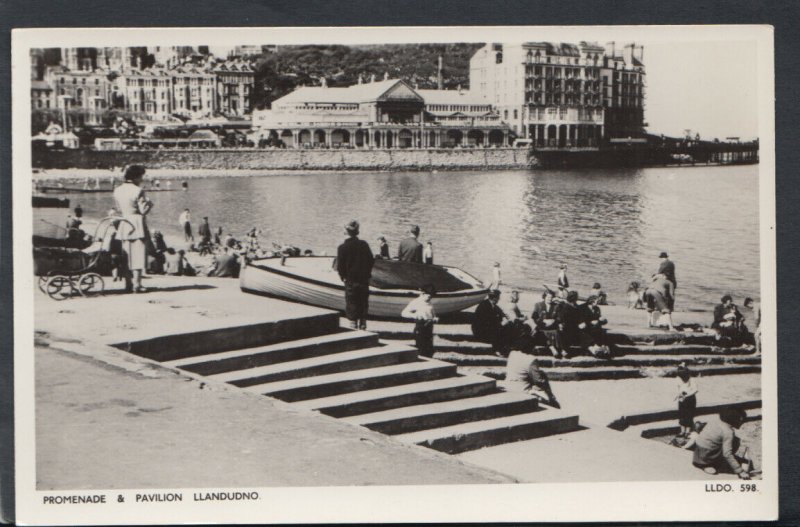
x=134, y=206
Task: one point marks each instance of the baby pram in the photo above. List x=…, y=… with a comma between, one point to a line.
x=65, y=272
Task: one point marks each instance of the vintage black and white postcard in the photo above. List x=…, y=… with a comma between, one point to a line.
x=394, y=274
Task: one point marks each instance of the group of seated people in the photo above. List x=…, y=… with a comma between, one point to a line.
x=729, y=323
x=560, y=325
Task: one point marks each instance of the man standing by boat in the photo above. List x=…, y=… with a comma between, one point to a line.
x=410, y=249
x=354, y=262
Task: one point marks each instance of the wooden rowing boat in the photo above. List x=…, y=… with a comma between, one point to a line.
x=313, y=280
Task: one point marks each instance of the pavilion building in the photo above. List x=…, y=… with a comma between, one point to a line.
x=384, y=114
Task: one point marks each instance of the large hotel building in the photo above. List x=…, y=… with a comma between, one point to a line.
x=564, y=95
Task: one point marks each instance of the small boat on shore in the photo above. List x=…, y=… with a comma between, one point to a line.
x=313, y=280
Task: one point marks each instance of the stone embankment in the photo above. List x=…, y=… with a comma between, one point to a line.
x=274, y=159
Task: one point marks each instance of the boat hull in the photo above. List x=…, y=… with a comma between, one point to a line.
x=328, y=294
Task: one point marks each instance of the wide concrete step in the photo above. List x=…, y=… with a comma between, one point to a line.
x=680, y=349
x=587, y=361
x=436, y=415
x=203, y=342
x=671, y=413
x=467, y=347
x=626, y=336
x=471, y=436
x=573, y=373
x=355, y=381
x=241, y=359
x=384, y=355
x=380, y=399
x=672, y=428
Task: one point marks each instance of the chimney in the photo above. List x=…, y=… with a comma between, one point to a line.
x=372, y=78
x=324, y=82
x=440, y=75
x=360, y=79
x=459, y=89
x=386, y=75
x=628, y=52
x=613, y=48
x=641, y=54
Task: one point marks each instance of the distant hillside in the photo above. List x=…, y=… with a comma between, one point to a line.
x=281, y=72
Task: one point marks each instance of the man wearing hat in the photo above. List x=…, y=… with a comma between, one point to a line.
x=410, y=249
x=354, y=262
x=667, y=268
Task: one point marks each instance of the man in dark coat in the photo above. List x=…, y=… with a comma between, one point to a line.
x=354, y=262
x=410, y=250
x=489, y=324
x=667, y=268
x=204, y=231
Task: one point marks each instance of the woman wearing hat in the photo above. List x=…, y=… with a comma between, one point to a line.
x=687, y=400
x=134, y=206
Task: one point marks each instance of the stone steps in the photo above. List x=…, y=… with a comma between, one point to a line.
x=466, y=347
x=380, y=384
x=436, y=415
x=294, y=390
x=572, y=373
x=587, y=361
x=183, y=345
x=365, y=358
x=623, y=336
x=379, y=399
x=471, y=436
x=235, y=360
x=671, y=414
x=671, y=427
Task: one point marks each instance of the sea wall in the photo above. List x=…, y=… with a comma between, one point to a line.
x=260, y=159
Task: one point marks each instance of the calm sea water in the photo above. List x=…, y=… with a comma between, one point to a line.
x=608, y=226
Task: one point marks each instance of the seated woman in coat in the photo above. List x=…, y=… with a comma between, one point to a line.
x=545, y=323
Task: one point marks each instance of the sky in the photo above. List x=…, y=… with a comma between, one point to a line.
x=709, y=87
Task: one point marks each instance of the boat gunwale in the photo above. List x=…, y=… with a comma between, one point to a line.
x=372, y=290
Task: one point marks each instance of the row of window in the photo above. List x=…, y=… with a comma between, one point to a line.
x=457, y=108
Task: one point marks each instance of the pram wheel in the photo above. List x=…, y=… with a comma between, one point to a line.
x=43, y=283
x=91, y=284
x=58, y=287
